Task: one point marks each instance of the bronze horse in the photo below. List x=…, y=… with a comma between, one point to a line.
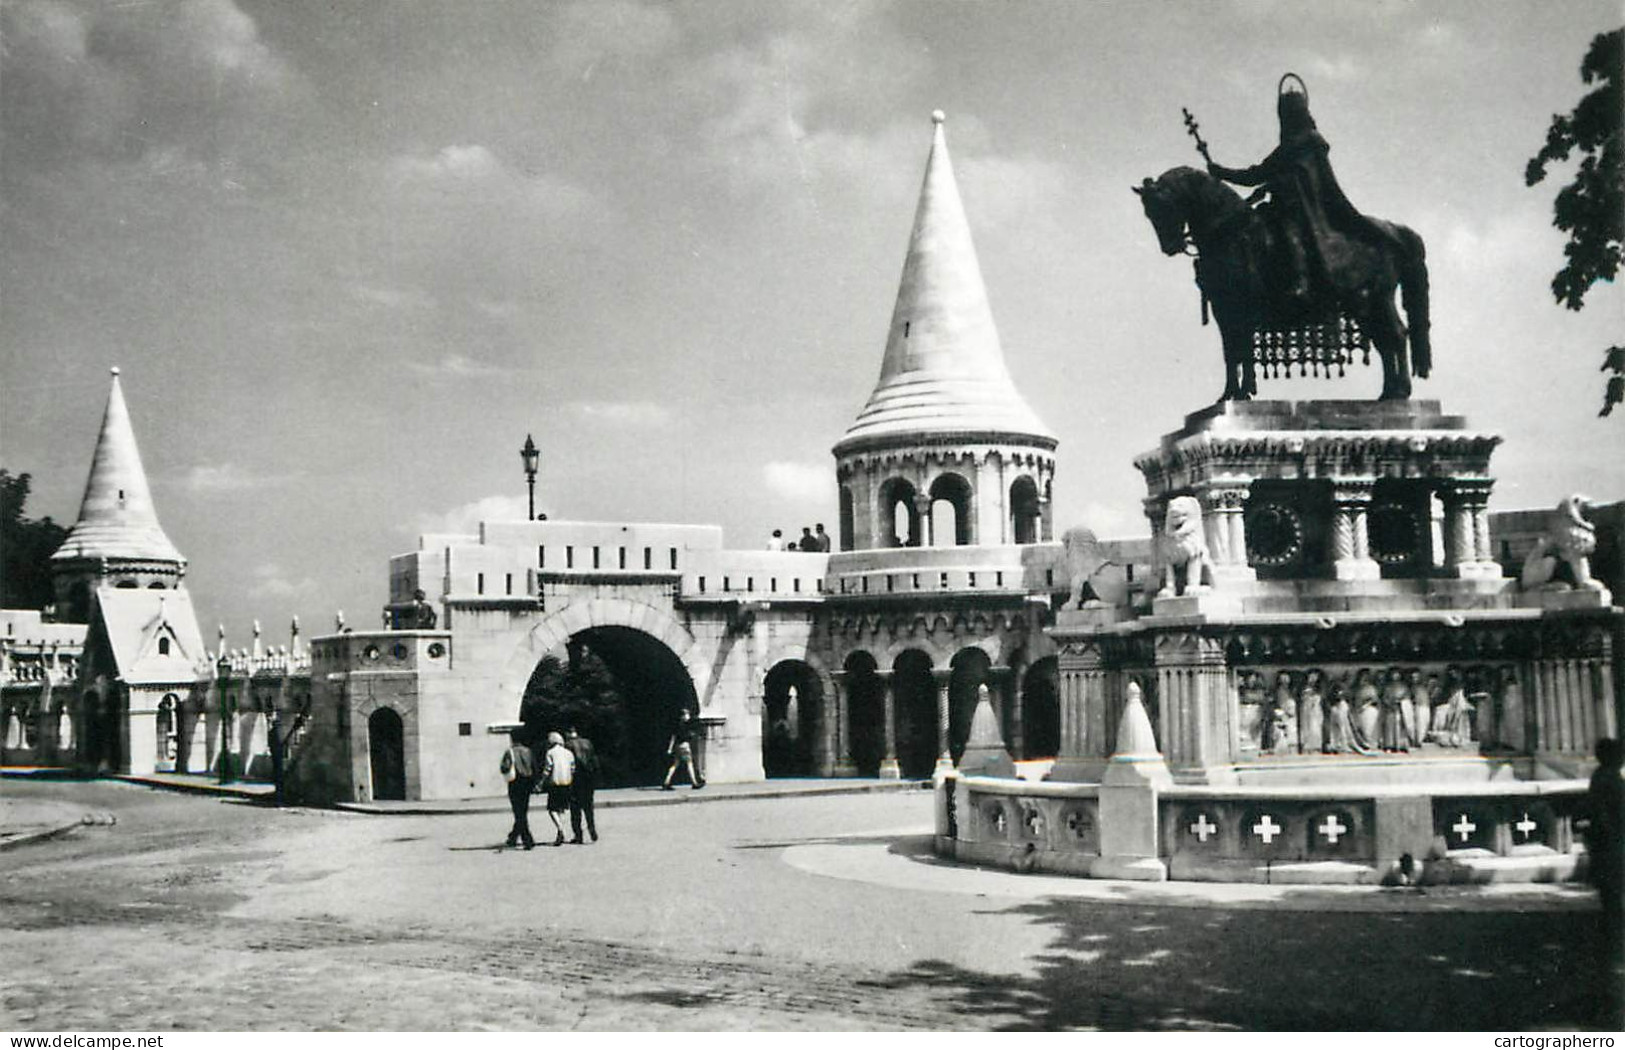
x=1237, y=269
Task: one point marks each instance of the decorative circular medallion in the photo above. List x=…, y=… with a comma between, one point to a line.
x=398, y=651
x=1394, y=533
x=1274, y=534
x=436, y=650
x=370, y=652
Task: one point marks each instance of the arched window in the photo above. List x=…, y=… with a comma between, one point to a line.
x=163, y=647
x=1025, y=510
x=898, y=515
x=951, y=523
x=846, y=524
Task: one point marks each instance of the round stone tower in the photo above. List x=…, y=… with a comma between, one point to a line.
x=946, y=452
x=117, y=540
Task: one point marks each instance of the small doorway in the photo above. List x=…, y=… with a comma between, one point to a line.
x=386, y=741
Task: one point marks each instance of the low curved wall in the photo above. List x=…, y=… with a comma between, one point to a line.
x=1456, y=833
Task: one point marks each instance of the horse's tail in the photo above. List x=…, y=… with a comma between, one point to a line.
x=1413, y=290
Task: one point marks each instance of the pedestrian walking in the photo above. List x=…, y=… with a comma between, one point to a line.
x=681, y=752
x=519, y=770
x=1605, y=838
x=586, y=783
x=558, y=772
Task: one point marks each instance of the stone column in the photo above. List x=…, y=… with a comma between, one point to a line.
x=1156, y=512
x=1083, y=689
x=1226, y=525
x=889, y=769
x=840, y=708
x=942, y=680
x=1351, y=547
x=1467, y=530
x=1197, y=708
x=927, y=527
x=1006, y=685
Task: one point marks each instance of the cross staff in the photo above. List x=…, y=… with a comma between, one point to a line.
x=1195, y=133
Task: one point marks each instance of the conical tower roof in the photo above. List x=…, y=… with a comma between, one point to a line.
x=117, y=519
x=944, y=371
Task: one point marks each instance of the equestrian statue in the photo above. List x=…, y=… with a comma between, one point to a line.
x=1295, y=276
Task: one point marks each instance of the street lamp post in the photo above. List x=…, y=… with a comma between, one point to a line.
x=222, y=671
x=531, y=456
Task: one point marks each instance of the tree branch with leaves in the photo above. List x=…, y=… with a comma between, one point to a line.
x=1591, y=208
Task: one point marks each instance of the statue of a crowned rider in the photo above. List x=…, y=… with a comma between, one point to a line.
x=1303, y=281
x=1311, y=215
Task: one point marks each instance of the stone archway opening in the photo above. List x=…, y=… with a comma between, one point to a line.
x=386, y=749
x=970, y=670
x=915, y=708
x=1041, y=710
x=866, y=706
x=899, y=514
x=951, y=512
x=167, y=733
x=791, y=705
x=1026, y=513
x=622, y=689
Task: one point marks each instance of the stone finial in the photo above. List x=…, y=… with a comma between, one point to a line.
x=1136, y=759
x=985, y=754
x=338, y=621
x=937, y=117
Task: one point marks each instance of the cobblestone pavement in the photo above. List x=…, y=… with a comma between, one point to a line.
x=198, y=913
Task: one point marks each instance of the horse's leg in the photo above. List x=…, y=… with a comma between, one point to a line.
x=1387, y=331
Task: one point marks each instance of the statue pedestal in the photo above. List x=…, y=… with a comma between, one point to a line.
x=1330, y=490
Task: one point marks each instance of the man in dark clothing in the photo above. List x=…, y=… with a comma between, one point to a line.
x=808, y=543
x=586, y=782
x=1605, y=857
x=519, y=769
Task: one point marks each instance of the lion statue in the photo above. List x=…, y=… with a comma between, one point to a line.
x=1087, y=562
x=1569, y=540
x=1184, y=546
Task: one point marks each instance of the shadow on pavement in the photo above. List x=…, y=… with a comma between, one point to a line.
x=1171, y=968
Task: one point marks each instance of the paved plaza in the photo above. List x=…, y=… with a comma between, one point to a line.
x=170, y=911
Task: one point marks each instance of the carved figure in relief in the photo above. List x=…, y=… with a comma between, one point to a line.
x=1393, y=728
x=1339, y=720
x=1512, y=731
x=1284, y=716
x=1253, y=696
x=1311, y=714
x=1453, y=719
x=1569, y=540
x=1367, y=703
x=1422, y=708
x=1184, y=548
x=1088, y=563
x=1479, y=681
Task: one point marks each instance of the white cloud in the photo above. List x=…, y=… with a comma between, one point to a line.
x=473, y=174
x=268, y=580
x=457, y=366
x=797, y=482
x=622, y=413
x=591, y=31
x=388, y=297
x=1011, y=192
x=119, y=81
x=215, y=478
x=466, y=519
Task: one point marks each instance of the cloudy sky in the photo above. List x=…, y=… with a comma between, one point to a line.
x=348, y=255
